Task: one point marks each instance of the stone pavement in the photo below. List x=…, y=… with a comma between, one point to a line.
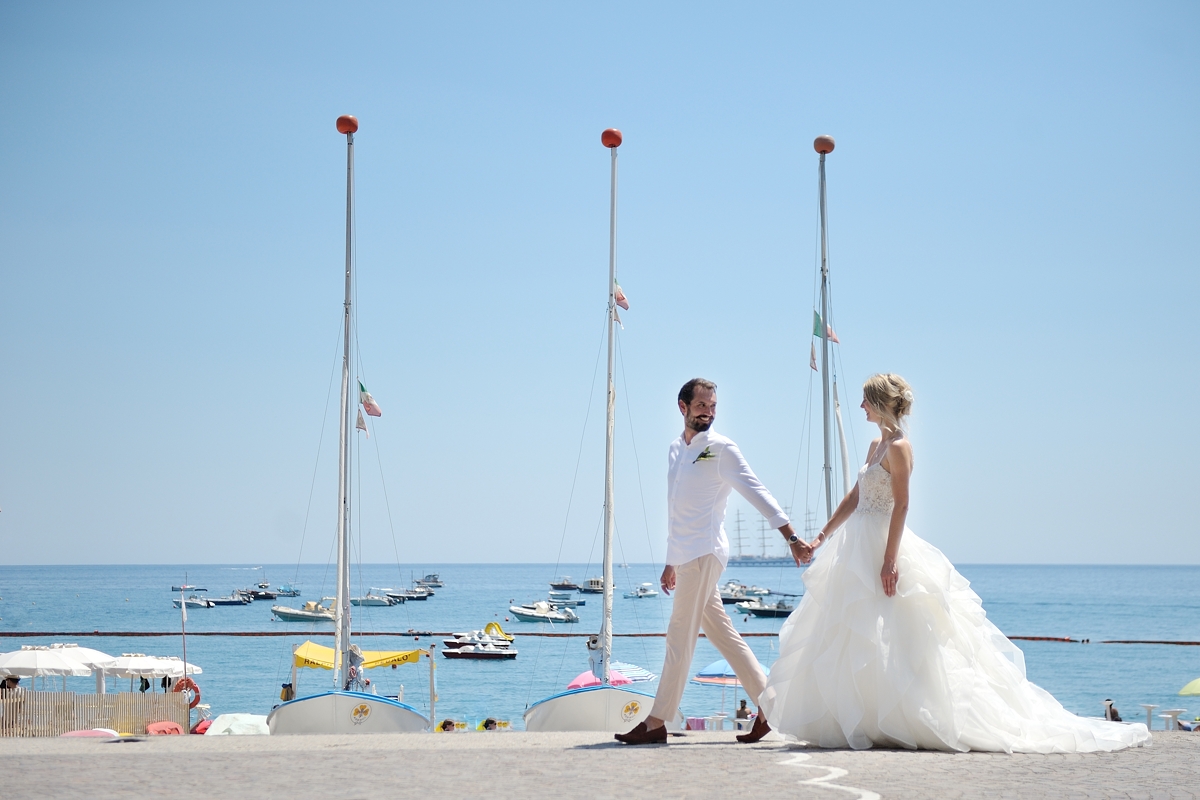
x=575, y=766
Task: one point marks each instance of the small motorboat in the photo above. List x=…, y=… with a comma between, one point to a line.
x=187, y=587
x=481, y=652
x=756, y=591
x=404, y=595
x=593, y=586
x=541, y=611
x=234, y=598
x=312, y=612
x=371, y=599
x=565, y=600
x=732, y=592
x=288, y=590
x=758, y=608
x=645, y=590
x=193, y=601
x=258, y=593
x=432, y=580
x=564, y=584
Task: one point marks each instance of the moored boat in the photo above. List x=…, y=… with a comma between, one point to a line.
x=193, y=601
x=232, y=599
x=431, y=580
x=288, y=590
x=645, y=590
x=756, y=606
x=481, y=652
x=564, y=584
x=593, y=586
x=372, y=599
x=541, y=611
x=312, y=612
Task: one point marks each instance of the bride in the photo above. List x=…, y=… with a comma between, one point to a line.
x=891, y=648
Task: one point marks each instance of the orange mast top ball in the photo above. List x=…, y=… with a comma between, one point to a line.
x=823, y=144
x=347, y=123
x=611, y=138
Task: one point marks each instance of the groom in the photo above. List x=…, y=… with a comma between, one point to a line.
x=703, y=468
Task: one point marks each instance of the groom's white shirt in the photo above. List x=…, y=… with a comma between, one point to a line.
x=700, y=476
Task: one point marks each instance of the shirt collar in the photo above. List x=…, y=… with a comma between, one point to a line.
x=701, y=439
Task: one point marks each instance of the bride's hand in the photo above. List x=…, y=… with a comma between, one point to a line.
x=890, y=575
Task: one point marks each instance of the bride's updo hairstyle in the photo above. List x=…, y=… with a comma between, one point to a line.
x=890, y=396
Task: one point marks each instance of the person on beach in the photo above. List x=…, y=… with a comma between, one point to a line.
x=891, y=648
x=703, y=468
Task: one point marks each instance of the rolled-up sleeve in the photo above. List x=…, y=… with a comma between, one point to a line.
x=737, y=472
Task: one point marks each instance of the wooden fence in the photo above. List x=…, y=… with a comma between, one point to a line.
x=26, y=713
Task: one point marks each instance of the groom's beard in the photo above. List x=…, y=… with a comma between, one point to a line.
x=699, y=424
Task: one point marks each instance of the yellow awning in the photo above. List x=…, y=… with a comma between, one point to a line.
x=316, y=656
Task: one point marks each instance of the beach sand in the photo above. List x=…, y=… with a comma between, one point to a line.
x=576, y=765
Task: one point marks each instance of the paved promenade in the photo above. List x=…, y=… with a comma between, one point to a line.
x=528, y=765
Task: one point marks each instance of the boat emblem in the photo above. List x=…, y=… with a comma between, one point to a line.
x=631, y=710
x=360, y=713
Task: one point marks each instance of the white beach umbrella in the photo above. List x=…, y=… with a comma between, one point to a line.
x=139, y=665
x=36, y=661
x=94, y=659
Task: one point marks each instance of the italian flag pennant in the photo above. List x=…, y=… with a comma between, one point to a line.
x=619, y=296
x=361, y=425
x=368, y=403
x=817, y=328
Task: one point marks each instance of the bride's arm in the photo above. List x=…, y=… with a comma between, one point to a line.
x=899, y=464
x=844, y=510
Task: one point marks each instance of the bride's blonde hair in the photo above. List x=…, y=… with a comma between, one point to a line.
x=890, y=396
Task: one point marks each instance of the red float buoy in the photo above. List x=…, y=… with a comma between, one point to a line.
x=823, y=144
x=347, y=123
x=611, y=138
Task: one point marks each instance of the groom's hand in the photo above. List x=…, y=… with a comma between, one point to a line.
x=667, y=581
x=802, y=551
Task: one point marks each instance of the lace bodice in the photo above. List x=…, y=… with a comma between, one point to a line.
x=875, y=490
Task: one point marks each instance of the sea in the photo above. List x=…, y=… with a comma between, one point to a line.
x=1091, y=604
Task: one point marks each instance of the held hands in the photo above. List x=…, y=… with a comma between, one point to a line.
x=667, y=581
x=802, y=551
x=890, y=576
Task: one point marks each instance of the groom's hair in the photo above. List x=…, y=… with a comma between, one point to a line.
x=689, y=389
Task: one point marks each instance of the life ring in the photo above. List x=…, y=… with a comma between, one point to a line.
x=184, y=684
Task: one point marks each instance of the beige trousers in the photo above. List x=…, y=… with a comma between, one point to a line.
x=698, y=605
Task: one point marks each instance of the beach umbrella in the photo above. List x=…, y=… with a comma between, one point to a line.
x=719, y=673
x=635, y=673
x=1191, y=688
x=39, y=661
x=138, y=665
x=586, y=678
x=93, y=659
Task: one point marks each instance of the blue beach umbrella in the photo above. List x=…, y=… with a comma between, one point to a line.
x=719, y=673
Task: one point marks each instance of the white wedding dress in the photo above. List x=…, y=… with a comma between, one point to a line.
x=922, y=669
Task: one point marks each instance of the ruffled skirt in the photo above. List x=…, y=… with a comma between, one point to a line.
x=923, y=669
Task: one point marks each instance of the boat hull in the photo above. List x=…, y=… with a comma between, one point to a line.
x=526, y=616
x=499, y=654
x=297, y=615
x=345, y=712
x=592, y=708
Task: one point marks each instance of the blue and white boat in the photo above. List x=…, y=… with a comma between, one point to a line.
x=346, y=708
x=603, y=707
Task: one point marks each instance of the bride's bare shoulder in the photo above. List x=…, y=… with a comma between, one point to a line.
x=874, y=446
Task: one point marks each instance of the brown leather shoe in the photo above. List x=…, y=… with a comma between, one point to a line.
x=760, y=729
x=639, y=735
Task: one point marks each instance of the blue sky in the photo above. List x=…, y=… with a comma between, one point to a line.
x=1013, y=223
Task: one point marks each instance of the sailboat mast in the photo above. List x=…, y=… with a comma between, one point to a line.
x=837, y=411
x=824, y=145
x=348, y=125
x=611, y=139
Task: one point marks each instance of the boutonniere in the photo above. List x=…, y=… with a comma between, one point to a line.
x=705, y=455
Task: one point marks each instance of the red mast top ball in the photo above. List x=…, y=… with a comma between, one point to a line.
x=823, y=144
x=611, y=138
x=347, y=123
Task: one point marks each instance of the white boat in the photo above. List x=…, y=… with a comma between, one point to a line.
x=492, y=634
x=232, y=599
x=371, y=599
x=593, y=586
x=541, y=611
x=481, y=652
x=193, y=601
x=645, y=590
x=603, y=707
x=732, y=592
x=565, y=600
x=311, y=612
x=345, y=709
x=756, y=606
x=432, y=580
